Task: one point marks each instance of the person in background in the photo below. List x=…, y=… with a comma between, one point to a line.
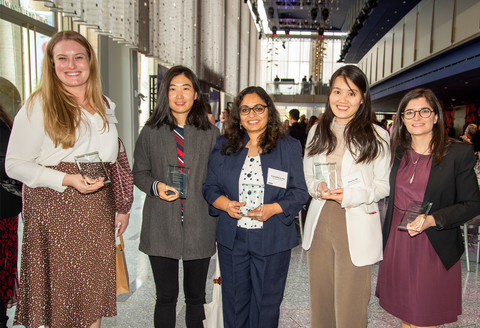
x=451, y=131
x=211, y=118
x=303, y=122
x=390, y=126
x=304, y=85
x=223, y=120
x=469, y=133
x=254, y=249
x=10, y=207
x=67, y=276
x=276, y=81
x=342, y=234
x=295, y=130
x=178, y=136
x=419, y=279
x=384, y=123
x=311, y=122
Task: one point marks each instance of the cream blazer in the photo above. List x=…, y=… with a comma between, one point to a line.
x=364, y=229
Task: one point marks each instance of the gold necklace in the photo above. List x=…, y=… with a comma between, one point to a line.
x=415, y=163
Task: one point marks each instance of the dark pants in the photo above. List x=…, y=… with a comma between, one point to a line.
x=252, y=284
x=165, y=274
x=3, y=314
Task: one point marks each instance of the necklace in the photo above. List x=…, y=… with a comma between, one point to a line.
x=415, y=163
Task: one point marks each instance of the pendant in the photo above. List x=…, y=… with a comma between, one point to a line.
x=413, y=175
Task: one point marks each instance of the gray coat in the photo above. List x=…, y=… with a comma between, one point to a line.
x=162, y=231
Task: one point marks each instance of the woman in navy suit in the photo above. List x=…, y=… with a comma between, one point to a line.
x=419, y=280
x=254, y=248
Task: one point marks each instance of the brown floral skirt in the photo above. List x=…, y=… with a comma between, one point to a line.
x=67, y=273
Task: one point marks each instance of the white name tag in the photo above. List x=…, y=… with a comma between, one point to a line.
x=111, y=116
x=353, y=180
x=277, y=178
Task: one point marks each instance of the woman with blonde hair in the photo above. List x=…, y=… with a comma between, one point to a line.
x=67, y=276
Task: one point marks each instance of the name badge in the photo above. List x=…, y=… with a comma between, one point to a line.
x=111, y=116
x=277, y=178
x=353, y=180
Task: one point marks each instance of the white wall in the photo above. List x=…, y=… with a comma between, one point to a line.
x=118, y=69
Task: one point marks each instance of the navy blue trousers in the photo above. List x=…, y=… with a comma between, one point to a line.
x=252, y=284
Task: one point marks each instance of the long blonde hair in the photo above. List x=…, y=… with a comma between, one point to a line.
x=61, y=112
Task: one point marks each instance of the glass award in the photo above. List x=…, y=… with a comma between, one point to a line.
x=414, y=209
x=325, y=178
x=91, y=167
x=177, y=178
x=253, y=196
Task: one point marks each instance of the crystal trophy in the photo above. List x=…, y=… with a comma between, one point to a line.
x=177, y=178
x=253, y=196
x=414, y=209
x=325, y=178
x=91, y=167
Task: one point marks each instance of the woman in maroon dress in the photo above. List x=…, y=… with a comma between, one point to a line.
x=419, y=280
x=10, y=206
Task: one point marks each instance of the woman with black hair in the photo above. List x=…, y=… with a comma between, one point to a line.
x=342, y=235
x=419, y=280
x=177, y=134
x=254, y=248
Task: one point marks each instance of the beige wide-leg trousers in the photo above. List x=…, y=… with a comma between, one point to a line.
x=339, y=291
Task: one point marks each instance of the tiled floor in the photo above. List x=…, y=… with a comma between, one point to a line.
x=136, y=309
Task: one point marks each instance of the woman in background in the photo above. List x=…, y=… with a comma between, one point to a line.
x=67, y=276
x=419, y=280
x=10, y=207
x=177, y=134
x=254, y=250
x=342, y=235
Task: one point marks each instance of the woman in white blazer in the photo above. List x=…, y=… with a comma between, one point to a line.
x=343, y=236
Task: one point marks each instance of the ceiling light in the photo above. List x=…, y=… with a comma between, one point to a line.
x=314, y=13
x=271, y=12
x=321, y=30
x=325, y=13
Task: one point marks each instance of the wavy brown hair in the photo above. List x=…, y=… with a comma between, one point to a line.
x=440, y=142
x=235, y=133
x=62, y=115
x=361, y=138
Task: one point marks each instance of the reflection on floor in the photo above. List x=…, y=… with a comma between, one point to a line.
x=136, y=308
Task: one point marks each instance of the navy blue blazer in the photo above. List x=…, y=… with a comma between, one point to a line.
x=453, y=189
x=279, y=232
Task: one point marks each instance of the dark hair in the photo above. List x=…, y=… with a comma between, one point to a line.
x=5, y=117
x=162, y=114
x=360, y=135
x=235, y=133
x=440, y=143
x=294, y=114
x=311, y=122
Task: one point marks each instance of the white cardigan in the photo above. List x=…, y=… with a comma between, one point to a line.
x=30, y=149
x=361, y=203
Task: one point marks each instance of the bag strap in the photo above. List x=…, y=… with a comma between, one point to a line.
x=121, y=242
x=105, y=100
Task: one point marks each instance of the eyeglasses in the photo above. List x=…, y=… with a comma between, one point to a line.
x=258, y=109
x=424, y=112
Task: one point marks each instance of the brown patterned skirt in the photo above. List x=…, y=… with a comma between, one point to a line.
x=67, y=274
